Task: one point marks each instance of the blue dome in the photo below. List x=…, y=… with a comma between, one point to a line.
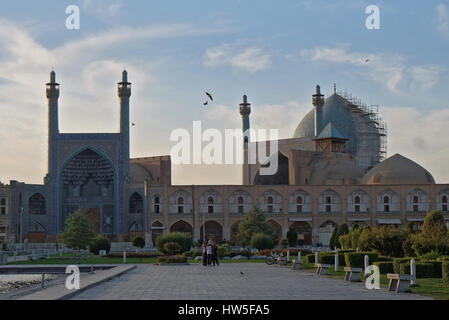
x=335, y=110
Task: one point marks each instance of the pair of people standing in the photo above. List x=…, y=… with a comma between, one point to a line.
x=210, y=253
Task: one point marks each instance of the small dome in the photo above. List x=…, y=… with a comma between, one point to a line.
x=398, y=169
x=138, y=173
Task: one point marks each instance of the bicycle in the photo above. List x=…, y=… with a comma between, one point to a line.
x=274, y=259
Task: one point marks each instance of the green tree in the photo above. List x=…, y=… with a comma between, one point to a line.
x=139, y=242
x=254, y=221
x=292, y=237
x=332, y=239
x=262, y=241
x=341, y=231
x=433, y=237
x=79, y=232
x=100, y=243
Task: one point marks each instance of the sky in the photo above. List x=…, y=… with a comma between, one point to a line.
x=275, y=52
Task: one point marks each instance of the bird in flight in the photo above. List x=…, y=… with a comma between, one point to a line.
x=210, y=96
x=133, y=124
x=366, y=60
x=241, y=273
x=205, y=103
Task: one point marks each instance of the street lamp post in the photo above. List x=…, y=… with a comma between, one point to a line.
x=21, y=226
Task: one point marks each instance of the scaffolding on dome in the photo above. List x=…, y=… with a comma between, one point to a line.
x=371, y=115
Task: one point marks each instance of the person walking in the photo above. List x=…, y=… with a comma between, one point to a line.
x=204, y=253
x=209, y=250
x=215, y=254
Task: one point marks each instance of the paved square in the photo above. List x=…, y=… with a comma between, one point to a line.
x=258, y=281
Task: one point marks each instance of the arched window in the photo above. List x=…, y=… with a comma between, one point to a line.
x=36, y=204
x=240, y=200
x=386, y=199
x=357, y=204
x=415, y=199
x=298, y=200
x=444, y=199
x=135, y=203
x=210, y=207
x=386, y=204
x=180, y=200
x=270, y=200
x=180, y=205
x=356, y=199
x=444, y=203
x=328, y=199
x=299, y=204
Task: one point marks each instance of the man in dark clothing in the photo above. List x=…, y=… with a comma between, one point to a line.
x=204, y=253
x=215, y=254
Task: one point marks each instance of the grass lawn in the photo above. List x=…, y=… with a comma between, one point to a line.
x=432, y=287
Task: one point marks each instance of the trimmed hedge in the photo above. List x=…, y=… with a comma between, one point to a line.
x=357, y=259
x=443, y=258
x=131, y=254
x=445, y=272
x=172, y=259
x=384, y=266
x=328, y=257
x=423, y=270
x=310, y=258
x=383, y=258
x=397, y=263
x=436, y=267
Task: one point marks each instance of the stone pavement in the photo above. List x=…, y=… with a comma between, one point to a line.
x=259, y=281
x=59, y=292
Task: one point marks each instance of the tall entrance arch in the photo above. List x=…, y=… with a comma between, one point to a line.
x=87, y=181
x=214, y=231
x=304, y=231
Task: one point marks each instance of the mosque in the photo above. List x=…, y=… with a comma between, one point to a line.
x=333, y=170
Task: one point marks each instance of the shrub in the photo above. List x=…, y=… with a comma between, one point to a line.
x=357, y=259
x=433, y=236
x=283, y=242
x=332, y=239
x=345, y=241
x=397, y=263
x=445, y=272
x=443, y=258
x=183, y=239
x=262, y=241
x=246, y=253
x=407, y=247
x=384, y=266
x=310, y=258
x=100, y=243
x=341, y=230
x=224, y=251
x=139, y=242
x=132, y=254
x=436, y=267
x=193, y=253
x=385, y=240
x=292, y=237
x=172, y=248
x=326, y=257
x=384, y=259
x=172, y=259
x=432, y=255
x=423, y=270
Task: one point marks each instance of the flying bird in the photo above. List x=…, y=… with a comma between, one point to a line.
x=205, y=103
x=366, y=60
x=133, y=124
x=210, y=96
x=241, y=273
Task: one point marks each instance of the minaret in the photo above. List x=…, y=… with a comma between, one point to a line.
x=318, y=101
x=124, y=92
x=52, y=90
x=245, y=110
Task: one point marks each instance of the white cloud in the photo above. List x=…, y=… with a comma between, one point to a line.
x=443, y=19
x=387, y=69
x=250, y=59
x=104, y=10
x=88, y=70
x=420, y=136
